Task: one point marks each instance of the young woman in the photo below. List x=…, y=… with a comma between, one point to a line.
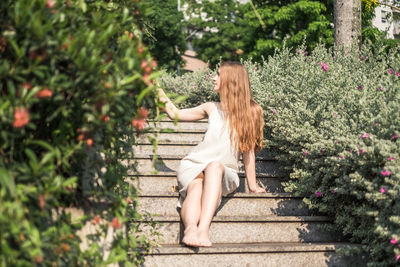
x=210, y=170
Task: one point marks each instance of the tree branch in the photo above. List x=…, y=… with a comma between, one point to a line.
x=389, y=5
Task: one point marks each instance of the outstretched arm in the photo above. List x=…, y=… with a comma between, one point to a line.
x=249, y=161
x=189, y=114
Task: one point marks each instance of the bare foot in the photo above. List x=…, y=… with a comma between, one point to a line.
x=257, y=190
x=190, y=237
x=204, y=240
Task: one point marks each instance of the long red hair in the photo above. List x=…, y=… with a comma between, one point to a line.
x=244, y=114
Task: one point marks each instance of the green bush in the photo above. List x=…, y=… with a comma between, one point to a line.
x=74, y=79
x=333, y=118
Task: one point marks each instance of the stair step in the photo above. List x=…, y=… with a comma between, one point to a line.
x=239, y=229
x=145, y=166
x=158, y=185
x=172, y=138
x=231, y=206
x=179, y=155
x=163, y=150
x=181, y=126
x=251, y=254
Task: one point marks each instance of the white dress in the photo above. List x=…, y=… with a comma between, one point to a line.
x=216, y=146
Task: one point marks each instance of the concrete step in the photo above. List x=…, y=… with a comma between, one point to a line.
x=181, y=126
x=252, y=255
x=145, y=166
x=239, y=204
x=172, y=138
x=159, y=185
x=245, y=229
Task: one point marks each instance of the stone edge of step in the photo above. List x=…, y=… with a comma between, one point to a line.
x=245, y=219
x=173, y=174
x=181, y=156
x=225, y=248
x=235, y=195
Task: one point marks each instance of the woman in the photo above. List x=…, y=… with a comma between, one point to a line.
x=210, y=170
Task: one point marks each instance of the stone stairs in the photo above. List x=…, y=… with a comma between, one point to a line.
x=268, y=229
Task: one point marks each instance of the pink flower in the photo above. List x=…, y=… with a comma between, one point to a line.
x=364, y=136
x=390, y=71
x=390, y=158
x=321, y=151
x=375, y=124
x=305, y=153
x=44, y=93
x=397, y=74
x=21, y=117
x=359, y=87
x=334, y=191
x=393, y=241
x=50, y=3
x=362, y=151
x=386, y=173
x=341, y=157
x=397, y=257
x=379, y=88
x=318, y=194
x=382, y=190
x=325, y=67
x=115, y=223
x=395, y=136
x=336, y=141
x=274, y=111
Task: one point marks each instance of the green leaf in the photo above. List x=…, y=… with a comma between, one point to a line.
x=7, y=181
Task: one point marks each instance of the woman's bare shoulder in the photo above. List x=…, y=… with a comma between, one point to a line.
x=209, y=107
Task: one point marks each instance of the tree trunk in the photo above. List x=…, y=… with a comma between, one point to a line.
x=347, y=23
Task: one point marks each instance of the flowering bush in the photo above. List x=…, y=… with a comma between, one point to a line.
x=333, y=120
x=74, y=79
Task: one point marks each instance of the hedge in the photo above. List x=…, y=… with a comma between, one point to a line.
x=332, y=119
x=75, y=84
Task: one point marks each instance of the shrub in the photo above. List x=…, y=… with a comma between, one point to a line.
x=333, y=119
x=74, y=76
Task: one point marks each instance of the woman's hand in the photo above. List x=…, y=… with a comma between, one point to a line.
x=162, y=97
x=257, y=189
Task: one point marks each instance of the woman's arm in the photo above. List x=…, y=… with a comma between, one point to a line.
x=189, y=114
x=249, y=161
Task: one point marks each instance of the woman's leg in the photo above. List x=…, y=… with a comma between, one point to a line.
x=211, y=195
x=190, y=211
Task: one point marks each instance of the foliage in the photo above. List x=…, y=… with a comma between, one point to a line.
x=224, y=30
x=163, y=28
x=332, y=118
x=73, y=78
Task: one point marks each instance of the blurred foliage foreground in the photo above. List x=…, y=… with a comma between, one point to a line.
x=333, y=121
x=75, y=85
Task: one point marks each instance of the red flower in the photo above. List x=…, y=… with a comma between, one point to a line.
x=89, y=142
x=21, y=117
x=45, y=93
x=128, y=200
x=138, y=123
x=38, y=259
x=143, y=113
x=65, y=247
x=115, y=223
x=50, y=3
x=96, y=219
x=42, y=201
x=104, y=118
x=27, y=86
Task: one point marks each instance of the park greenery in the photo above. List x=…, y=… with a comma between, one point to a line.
x=76, y=89
x=331, y=118
x=75, y=85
